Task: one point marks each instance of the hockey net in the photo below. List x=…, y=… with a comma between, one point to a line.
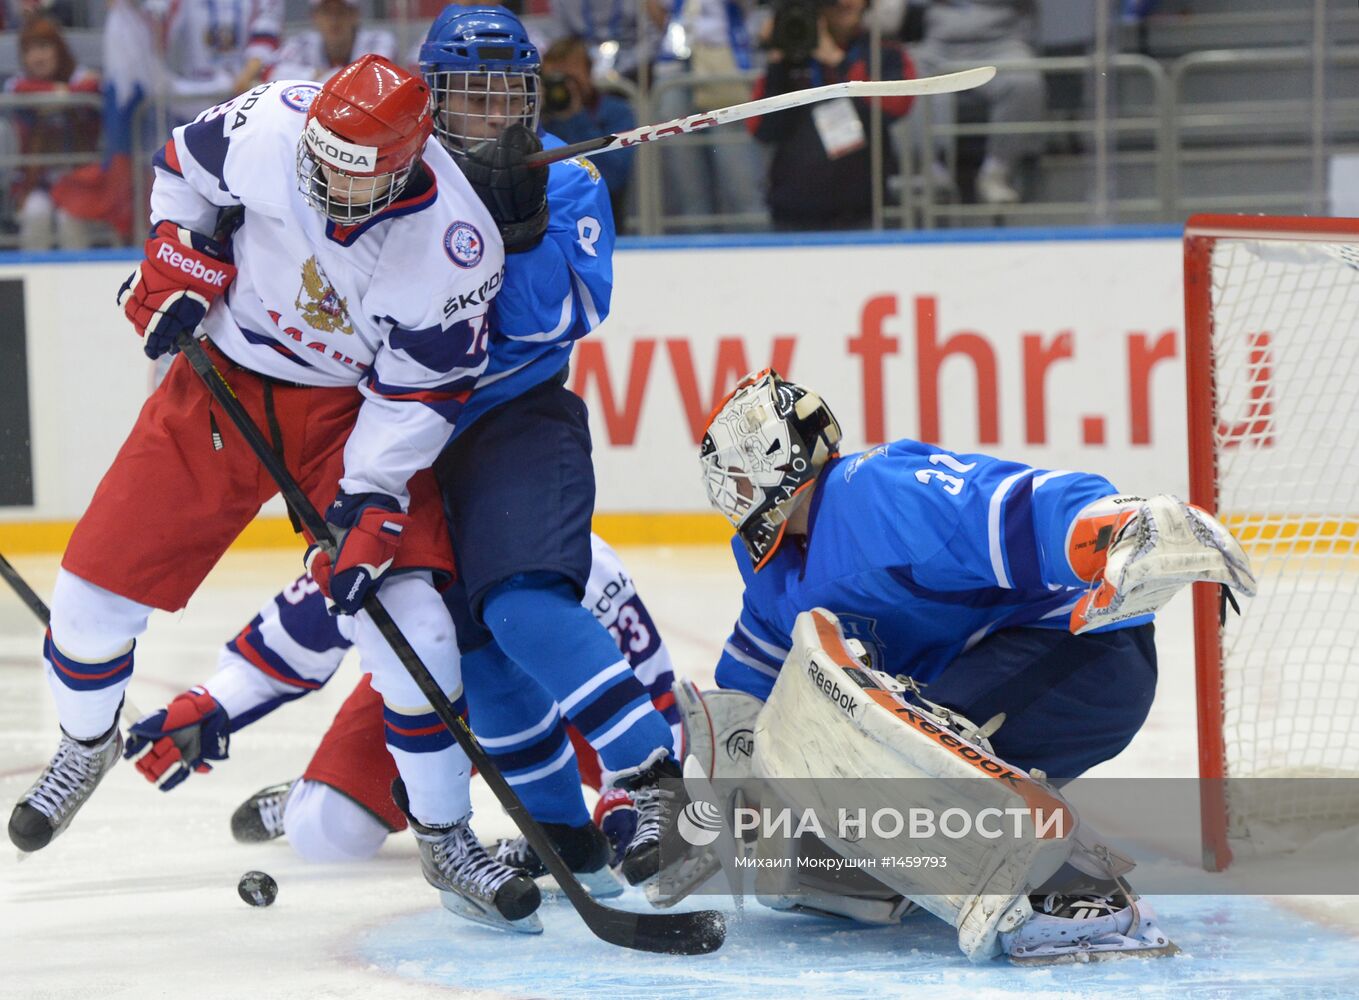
x=1272, y=354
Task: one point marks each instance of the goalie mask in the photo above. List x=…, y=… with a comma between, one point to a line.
x=363, y=136
x=483, y=71
x=764, y=445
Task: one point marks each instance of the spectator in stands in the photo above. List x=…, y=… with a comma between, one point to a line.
x=575, y=109
x=216, y=48
x=618, y=43
x=335, y=40
x=821, y=173
x=14, y=14
x=48, y=67
x=963, y=33
x=715, y=172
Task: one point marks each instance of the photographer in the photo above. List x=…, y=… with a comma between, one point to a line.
x=574, y=110
x=821, y=173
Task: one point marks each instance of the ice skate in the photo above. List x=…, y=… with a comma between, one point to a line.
x=471, y=883
x=48, y=807
x=1088, y=926
x=260, y=817
x=657, y=789
x=585, y=850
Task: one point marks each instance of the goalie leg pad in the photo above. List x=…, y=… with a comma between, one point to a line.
x=718, y=738
x=830, y=718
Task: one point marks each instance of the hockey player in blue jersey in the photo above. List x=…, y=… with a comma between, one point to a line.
x=995, y=593
x=982, y=578
x=517, y=478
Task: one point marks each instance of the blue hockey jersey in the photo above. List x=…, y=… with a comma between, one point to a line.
x=552, y=295
x=921, y=553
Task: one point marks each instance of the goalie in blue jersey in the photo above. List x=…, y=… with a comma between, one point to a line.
x=958, y=587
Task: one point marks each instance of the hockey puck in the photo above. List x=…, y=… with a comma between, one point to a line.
x=257, y=888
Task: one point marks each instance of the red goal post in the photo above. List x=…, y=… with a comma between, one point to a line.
x=1272, y=363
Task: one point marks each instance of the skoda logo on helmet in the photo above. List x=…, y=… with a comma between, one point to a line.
x=333, y=151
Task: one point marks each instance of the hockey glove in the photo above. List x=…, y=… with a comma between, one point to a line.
x=513, y=192
x=179, y=739
x=1137, y=553
x=367, y=529
x=616, y=815
x=170, y=292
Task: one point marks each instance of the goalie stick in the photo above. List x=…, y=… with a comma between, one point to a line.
x=694, y=933
x=949, y=83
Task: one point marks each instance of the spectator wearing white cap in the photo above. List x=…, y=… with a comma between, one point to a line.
x=336, y=39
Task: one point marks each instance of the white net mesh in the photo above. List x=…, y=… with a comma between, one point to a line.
x=1285, y=321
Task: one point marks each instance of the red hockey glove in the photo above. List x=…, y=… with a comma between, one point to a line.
x=186, y=734
x=367, y=529
x=171, y=290
x=616, y=815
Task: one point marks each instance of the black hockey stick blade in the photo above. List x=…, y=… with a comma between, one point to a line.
x=695, y=933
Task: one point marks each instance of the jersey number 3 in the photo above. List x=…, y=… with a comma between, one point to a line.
x=953, y=485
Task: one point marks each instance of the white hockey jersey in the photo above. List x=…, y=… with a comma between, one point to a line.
x=303, y=55
x=395, y=305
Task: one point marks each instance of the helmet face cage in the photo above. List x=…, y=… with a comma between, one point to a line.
x=470, y=107
x=766, y=443
x=326, y=179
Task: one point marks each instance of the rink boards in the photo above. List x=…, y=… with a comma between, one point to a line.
x=1062, y=348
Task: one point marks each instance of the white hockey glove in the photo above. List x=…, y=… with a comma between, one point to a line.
x=1137, y=553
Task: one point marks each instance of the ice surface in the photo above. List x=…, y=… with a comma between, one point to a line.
x=138, y=898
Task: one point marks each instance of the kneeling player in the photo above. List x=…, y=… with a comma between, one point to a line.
x=1003, y=592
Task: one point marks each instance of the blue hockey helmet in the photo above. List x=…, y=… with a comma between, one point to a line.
x=483, y=72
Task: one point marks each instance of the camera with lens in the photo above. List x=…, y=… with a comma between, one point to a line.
x=796, y=29
x=557, y=95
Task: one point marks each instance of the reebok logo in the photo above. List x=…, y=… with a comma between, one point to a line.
x=831, y=690
x=192, y=266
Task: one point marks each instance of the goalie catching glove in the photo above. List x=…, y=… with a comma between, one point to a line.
x=170, y=292
x=514, y=193
x=367, y=529
x=1137, y=553
x=174, y=742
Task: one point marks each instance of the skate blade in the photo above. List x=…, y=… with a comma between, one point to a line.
x=1086, y=955
x=603, y=884
x=669, y=887
x=468, y=910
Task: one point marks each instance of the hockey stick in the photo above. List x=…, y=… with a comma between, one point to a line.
x=26, y=593
x=695, y=933
x=949, y=83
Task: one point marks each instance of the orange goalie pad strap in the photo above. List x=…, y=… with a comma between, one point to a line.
x=1088, y=543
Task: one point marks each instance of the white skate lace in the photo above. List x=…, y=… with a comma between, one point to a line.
x=1084, y=907
x=650, y=802
x=464, y=862
x=516, y=853
x=271, y=811
x=67, y=780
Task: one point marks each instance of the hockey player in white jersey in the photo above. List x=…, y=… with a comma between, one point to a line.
x=1014, y=598
x=326, y=313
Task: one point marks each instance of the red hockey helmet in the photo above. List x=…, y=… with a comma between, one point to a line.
x=363, y=136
